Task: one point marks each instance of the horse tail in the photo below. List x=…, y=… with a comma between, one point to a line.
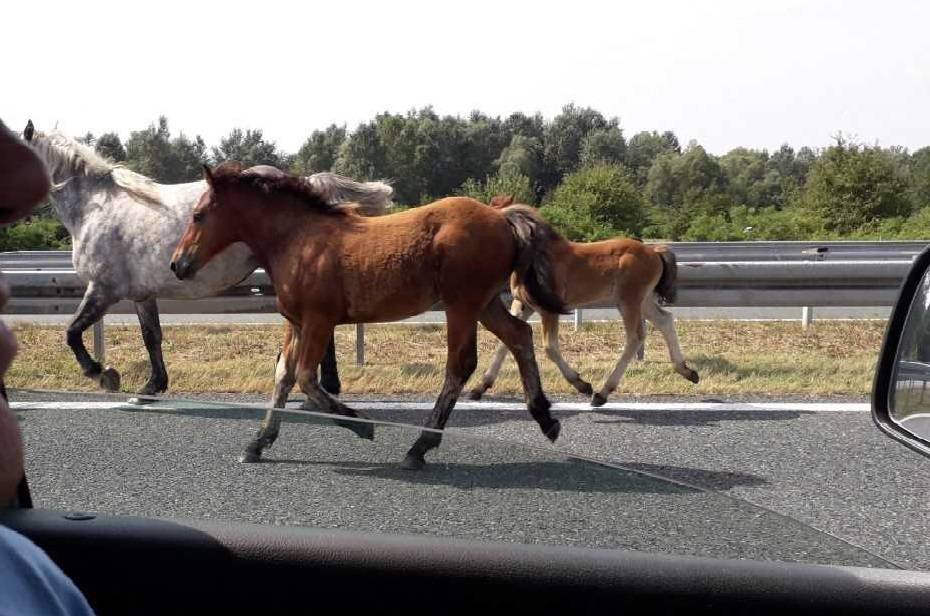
x=533, y=265
x=373, y=198
x=667, y=287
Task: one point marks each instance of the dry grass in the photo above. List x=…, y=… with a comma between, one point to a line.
x=832, y=358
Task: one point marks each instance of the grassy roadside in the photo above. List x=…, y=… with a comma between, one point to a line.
x=732, y=357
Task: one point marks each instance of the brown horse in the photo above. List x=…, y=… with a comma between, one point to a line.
x=329, y=265
x=633, y=275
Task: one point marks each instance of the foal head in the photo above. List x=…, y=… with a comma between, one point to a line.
x=211, y=227
x=233, y=206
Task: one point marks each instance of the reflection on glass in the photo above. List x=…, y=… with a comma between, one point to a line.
x=323, y=476
x=910, y=398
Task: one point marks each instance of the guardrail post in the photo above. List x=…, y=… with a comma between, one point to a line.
x=807, y=316
x=359, y=344
x=100, y=347
x=579, y=318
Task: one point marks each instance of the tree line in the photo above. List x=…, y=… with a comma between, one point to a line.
x=589, y=178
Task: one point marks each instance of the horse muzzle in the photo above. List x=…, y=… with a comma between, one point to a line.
x=183, y=267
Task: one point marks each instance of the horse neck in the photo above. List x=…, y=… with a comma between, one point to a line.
x=71, y=202
x=273, y=232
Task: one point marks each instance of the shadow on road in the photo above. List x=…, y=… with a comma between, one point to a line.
x=561, y=476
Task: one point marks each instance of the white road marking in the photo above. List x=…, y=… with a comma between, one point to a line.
x=368, y=405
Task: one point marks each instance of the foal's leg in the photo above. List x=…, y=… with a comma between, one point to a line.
x=518, y=336
x=313, y=342
x=283, y=383
x=461, y=360
x=500, y=354
x=665, y=322
x=92, y=308
x=631, y=311
x=329, y=371
x=550, y=323
x=147, y=311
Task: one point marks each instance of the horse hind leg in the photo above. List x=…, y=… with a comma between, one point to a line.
x=147, y=311
x=665, y=323
x=93, y=306
x=519, y=310
x=518, y=336
x=461, y=361
x=329, y=370
x=550, y=323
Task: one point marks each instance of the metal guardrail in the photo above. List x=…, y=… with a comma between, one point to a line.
x=725, y=274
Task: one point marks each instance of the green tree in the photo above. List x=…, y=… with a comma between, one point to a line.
x=643, y=149
x=320, y=151
x=362, y=155
x=679, y=187
x=751, y=180
x=603, y=146
x=920, y=178
x=249, y=148
x=564, y=138
x=852, y=185
x=153, y=153
x=110, y=147
x=148, y=151
x=596, y=203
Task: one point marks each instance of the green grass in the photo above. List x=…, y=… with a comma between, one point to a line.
x=732, y=357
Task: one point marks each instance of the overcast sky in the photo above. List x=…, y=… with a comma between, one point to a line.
x=726, y=73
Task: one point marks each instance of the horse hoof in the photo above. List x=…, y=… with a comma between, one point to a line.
x=413, y=463
x=250, y=457
x=552, y=433
x=598, y=399
x=584, y=388
x=109, y=379
x=362, y=429
x=693, y=377
x=475, y=394
x=153, y=387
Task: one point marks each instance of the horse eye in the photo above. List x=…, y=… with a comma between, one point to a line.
x=198, y=216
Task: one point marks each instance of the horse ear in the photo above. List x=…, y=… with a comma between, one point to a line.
x=208, y=174
x=29, y=131
x=507, y=200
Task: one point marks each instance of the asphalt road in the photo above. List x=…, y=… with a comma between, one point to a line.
x=707, y=480
x=599, y=314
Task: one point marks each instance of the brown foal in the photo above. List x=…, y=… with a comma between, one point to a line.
x=329, y=265
x=633, y=275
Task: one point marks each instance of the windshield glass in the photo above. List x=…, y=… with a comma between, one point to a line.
x=682, y=224
x=96, y=453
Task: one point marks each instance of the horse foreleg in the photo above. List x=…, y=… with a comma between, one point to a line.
x=518, y=336
x=283, y=383
x=631, y=311
x=93, y=306
x=665, y=322
x=329, y=371
x=461, y=361
x=313, y=342
x=550, y=324
x=147, y=311
x=518, y=309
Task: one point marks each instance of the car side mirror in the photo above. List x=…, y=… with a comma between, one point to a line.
x=901, y=390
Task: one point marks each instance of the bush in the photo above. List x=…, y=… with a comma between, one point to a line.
x=38, y=233
x=596, y=203
x=501, y=183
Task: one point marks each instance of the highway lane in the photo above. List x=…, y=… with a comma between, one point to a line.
x=738, y=473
